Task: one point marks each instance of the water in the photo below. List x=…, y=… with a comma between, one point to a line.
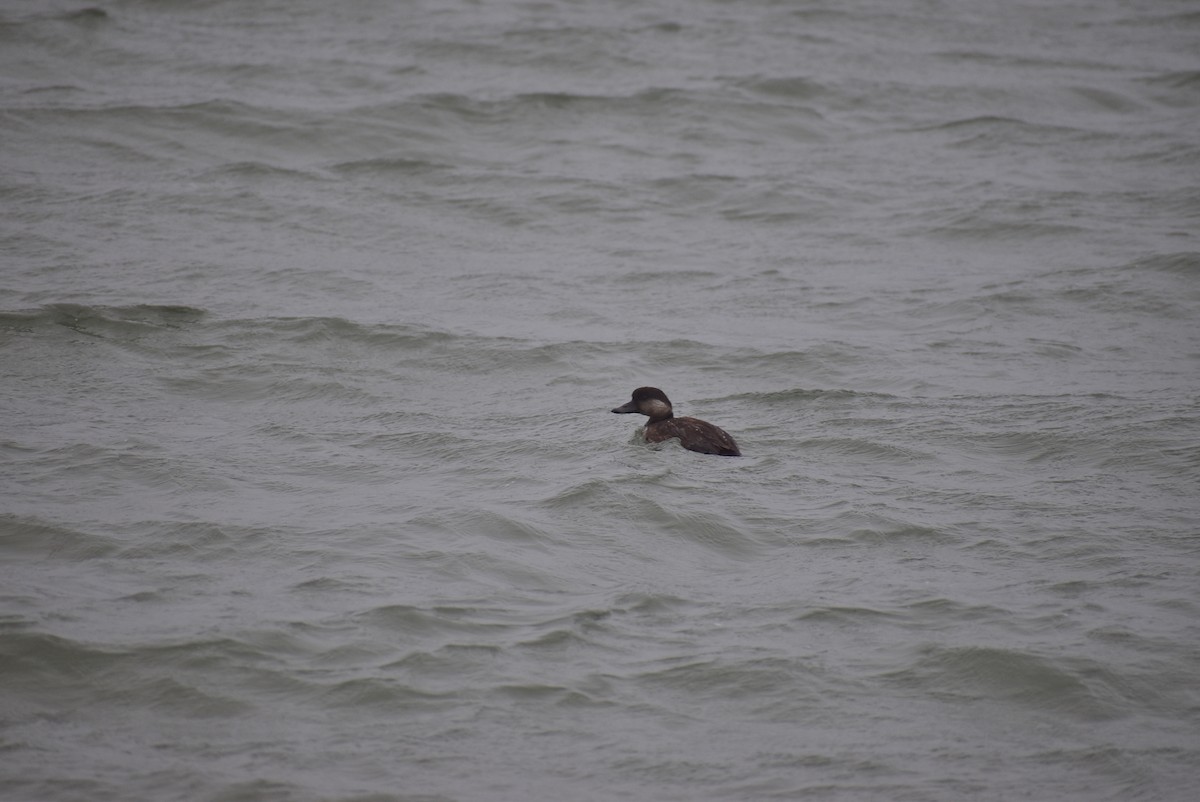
x=312, y=318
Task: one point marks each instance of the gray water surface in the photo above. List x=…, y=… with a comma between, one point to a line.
x=312, y=315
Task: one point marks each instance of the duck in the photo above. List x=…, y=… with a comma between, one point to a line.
x=693, y=433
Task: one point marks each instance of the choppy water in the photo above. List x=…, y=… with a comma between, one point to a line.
x=313, y=314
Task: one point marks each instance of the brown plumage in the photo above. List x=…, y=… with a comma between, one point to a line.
x=693, y=433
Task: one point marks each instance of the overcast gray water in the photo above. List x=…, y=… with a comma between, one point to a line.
x=312, y=315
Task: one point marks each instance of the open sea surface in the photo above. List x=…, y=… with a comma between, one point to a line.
x=312, y=315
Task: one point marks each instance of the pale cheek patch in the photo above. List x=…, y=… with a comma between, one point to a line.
x=655, y=408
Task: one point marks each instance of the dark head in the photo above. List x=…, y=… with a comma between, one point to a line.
x=649, y=401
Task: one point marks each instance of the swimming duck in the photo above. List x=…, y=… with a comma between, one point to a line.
x=693, y=433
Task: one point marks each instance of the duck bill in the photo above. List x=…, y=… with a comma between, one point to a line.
x=630, y=407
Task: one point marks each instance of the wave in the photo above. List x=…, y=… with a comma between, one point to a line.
x=1183, y=263
x=800, y=395
x=136, y=321
x=378, y=166
x=1071, y=688
x=102, y=321
x=33, y=537
x=88, y=15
